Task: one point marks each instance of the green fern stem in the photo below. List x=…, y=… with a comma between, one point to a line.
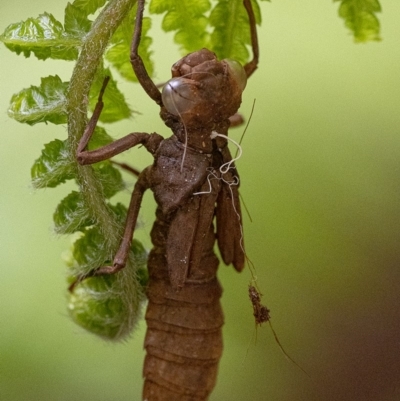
x=93, y=49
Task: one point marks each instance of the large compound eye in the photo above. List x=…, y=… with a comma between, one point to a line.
x=238, y=72
x=179, y=95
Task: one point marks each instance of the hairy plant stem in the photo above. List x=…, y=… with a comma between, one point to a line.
x=93, y=48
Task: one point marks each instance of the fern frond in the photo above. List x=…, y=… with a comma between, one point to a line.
x=231, y=31
x=187, y=18
x=118, y=53
x=359, y=16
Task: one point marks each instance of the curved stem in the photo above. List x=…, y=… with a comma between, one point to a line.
x=89, y=59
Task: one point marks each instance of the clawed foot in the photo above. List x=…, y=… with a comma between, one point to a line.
x=101, y=271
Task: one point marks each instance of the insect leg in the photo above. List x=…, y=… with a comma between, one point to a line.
x=150, y=141
x=137, y=63
x=122, y=254
x=127, y=167
x=252, y=65
x=91, y=126
x=120, y=145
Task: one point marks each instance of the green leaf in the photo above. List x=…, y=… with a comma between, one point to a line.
x=231, y=29
x=100, y=138
x=93, y=304
x=72, y=214
x=119, y=211
x=89, y=6
x=45, y=103
x=110, y=178
x=360, y=18
x=54, y=166
x=118, y=53
x=76, y=22
x=43, y=36
x=108, y=305
x=89, y=251
x=187, y=18
x=139, y=255
x=96, y=307
x=115, y=106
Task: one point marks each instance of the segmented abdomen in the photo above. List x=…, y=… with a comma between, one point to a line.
x=184, y=338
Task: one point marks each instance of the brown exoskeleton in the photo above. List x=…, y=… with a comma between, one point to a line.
x=184, y=316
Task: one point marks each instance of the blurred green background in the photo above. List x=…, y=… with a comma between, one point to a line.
x=321, y=178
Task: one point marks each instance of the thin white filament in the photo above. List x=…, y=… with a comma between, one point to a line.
x=211, y=174
x=224, y=168
x=227, y=166
x=184, y=126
